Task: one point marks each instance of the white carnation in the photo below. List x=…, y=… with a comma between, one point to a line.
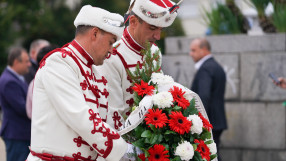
x=163, y=99
x=212, y=148
x=188, y=96
x=185, y=151
x=161, y=79
x=197, y=124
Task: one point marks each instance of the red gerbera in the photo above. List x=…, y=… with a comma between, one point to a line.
x=156, y=118
x=178, y=96
x=158, y=152
x=179, y=123
x=206, y=123
x=143, y=88
x=203, y=149
x=142, y=157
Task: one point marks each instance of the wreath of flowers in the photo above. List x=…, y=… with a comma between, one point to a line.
x=173, y=129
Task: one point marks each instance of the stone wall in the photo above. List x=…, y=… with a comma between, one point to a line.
x=255, y=114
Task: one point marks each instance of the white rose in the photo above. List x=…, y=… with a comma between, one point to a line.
x=163, y=99
x=161, y=79
x=197, y=124
x=212, y=148
x=185, y=151
x=188, y=95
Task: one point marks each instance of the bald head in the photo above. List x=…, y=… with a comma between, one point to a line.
x=199, y=48
x=36, y=46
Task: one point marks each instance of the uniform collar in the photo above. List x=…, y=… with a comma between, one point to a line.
x=132, y=43
x=201, y=62
x=82, y=51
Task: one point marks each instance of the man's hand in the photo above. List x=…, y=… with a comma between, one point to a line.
x=282, y=83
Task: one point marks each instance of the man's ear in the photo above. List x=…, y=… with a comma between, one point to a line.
x=133, y=20
x=95, y=31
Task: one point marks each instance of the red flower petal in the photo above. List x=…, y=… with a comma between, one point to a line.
x=179, y=123
x=178, y=96
x=158, y=153
x=203, y=149
x=142, y=157
x=206, y=123
x=156, y=118
x=143, y=88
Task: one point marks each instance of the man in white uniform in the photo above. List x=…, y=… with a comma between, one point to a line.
x=147, y=18
x=70, y=96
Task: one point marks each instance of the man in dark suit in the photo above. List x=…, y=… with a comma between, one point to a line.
x=35, y=47
x=16, y=126
x=209, y=83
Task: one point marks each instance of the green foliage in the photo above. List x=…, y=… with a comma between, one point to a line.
x=279, y=18
x=116, y=6
x=191, y=110
x=260, y=6
x=21, y=22
x=221, y=20
x=151, y=63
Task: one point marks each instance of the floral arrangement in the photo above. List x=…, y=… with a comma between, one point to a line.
x=172, y=128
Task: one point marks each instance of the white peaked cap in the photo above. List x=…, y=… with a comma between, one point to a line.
x=155, y=12
x=107, y=21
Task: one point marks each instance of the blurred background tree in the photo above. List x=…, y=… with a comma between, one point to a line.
x=22, y=21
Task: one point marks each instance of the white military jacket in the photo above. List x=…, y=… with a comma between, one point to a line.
x=70, y=110
x=126, y=55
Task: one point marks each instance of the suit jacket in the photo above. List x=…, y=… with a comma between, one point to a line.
x=209, y=83
x=13, y=91
x=32, y=71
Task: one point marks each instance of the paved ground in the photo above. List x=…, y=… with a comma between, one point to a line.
x=2, y=147
x=2, y=151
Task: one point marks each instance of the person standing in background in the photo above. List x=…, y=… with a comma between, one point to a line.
x=41, y=54
x=35, y=47
x=16, y=126
x=209, y=83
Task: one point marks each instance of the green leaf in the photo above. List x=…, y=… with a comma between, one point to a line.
x=177, y=158
x=192, y=138
x=154, y=139
x=146, y=134
x=213, y=156
x=169, y=132
x=209, y=142
x=206, y=135
x=138, y=131
x=160, y=139
x=195, y=146
x=191, y=110
x=139, y=143
x=153, y=128
x=177, y=108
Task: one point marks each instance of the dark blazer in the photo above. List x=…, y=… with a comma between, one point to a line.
x=13, y=92
x=32, y=71
x=209, y=83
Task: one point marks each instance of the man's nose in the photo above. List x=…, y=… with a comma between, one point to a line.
x=157, y=35
x=110, y=49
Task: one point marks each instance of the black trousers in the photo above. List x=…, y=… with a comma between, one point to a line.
x=216, y=136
